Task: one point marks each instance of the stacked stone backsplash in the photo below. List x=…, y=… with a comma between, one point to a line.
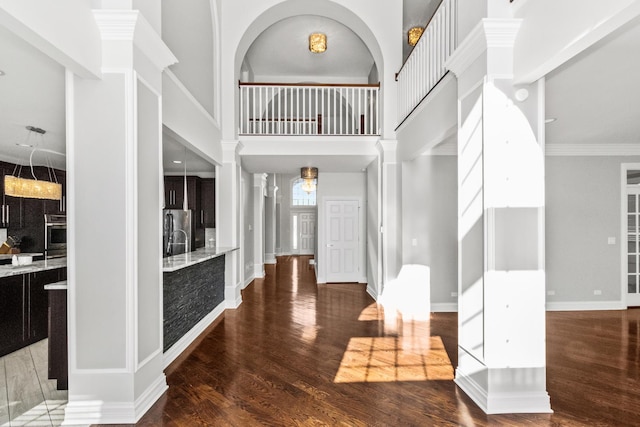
x=189, y=295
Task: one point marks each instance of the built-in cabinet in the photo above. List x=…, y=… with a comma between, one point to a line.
x=200, y=199
x=24, y=308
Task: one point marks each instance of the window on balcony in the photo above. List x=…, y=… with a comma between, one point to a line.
x=299, y=197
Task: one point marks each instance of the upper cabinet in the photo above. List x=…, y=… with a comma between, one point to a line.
x=208, y=201
x=174, y=192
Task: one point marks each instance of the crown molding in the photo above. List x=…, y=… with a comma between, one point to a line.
x=592, y=149
x=130, y=25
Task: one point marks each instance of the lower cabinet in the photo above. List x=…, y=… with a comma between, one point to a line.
x=24, y=308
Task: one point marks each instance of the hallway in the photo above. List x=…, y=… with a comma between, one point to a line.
x=297, y=353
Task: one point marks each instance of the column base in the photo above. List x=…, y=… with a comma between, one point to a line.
x=510, y=397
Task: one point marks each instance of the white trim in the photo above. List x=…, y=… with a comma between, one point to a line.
x=181, y=345
x=258, y=271
x=584, y=305
x=270, y=259
x=233, y=304
x=444, y=307
x=427, y=100
x=372, y=292
x=511, y=402
x=592, y=149
x=248, y=281
x=90, y=412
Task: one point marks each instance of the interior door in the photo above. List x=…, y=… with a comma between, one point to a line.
x=342, y=240
x=633, y=245
x=307, y=233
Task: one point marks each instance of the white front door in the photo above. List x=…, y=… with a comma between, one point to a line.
x=307, y=233
x=342, y=240
x=633, y=245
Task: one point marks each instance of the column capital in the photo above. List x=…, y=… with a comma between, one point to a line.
x=231, y=151
x=131, y=26
x=488, y=34
x=388, y=150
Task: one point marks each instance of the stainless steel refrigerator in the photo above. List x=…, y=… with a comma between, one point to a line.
x=178, y=232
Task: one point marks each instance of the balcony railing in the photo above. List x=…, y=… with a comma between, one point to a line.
x=424, y=68
x=301, y=109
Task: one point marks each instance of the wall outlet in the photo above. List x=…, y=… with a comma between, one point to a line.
x=597, y=292
x=551, y=292
x=454, y=294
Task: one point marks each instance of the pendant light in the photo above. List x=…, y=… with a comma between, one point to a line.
x=34, y=188
x=310, y=177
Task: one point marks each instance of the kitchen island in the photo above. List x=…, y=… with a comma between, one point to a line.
x=24, y=303
x=193, y=289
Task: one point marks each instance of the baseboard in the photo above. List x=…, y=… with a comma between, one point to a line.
x=312, y=261
x=86, y=413
x=234, y=304
x=444, y=307
x=584, y=305
x=150, y=396
x=372, y=292
x=184, y=342
x=512, y=402
x=258, y=271
x=270, y=259
x=248, y=281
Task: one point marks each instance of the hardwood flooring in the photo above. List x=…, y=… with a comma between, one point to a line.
x=27, y=397
x=300, y=354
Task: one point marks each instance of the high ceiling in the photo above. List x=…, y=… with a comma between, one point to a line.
x=578, y=95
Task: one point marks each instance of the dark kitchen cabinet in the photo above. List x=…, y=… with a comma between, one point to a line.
x=208, y=202
x=174, y=192
x=12, y=308
x=24, y=308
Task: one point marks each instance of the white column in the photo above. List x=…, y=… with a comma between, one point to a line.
x=229, y=219
x=114, y=165
x=391, y=214
x=259, y=195
x=501, y=280
x=270, y=221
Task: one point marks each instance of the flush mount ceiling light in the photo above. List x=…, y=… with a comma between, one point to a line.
x=310, y=176
x=317, y=42
x=33, y=188
x=413, y=35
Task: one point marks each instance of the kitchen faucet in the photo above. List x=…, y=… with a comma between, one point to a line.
x=170, y=241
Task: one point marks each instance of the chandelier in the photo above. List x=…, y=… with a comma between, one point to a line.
x=310, y=177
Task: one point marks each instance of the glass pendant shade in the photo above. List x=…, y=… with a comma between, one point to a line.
x=414, y=35
x=317, y=42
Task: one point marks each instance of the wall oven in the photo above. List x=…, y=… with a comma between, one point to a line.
x=55, y=236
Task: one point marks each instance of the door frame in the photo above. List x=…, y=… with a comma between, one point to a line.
x=624, y=167
x=323, y=228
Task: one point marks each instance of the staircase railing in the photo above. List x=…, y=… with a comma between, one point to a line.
x=424, y=67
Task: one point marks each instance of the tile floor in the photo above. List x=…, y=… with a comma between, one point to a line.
x=27, y=397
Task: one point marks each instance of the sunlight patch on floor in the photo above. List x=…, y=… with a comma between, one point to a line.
x=387, y=359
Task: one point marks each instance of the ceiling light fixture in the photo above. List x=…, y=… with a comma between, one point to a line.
x=414, y=34
x=177, y=162
x=33, y=188
x=310, y=176
x=317, y=42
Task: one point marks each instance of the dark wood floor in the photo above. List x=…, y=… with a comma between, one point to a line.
x=297, y=353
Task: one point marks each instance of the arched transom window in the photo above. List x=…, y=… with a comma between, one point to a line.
x=299, y=197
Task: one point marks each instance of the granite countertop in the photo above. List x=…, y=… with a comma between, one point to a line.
x=177, y=262
x=47, y=264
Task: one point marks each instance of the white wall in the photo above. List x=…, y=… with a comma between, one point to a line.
x=341, y=186
x=284, y=200
x=429, y=223
x=583, y=211
x=188, y=31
